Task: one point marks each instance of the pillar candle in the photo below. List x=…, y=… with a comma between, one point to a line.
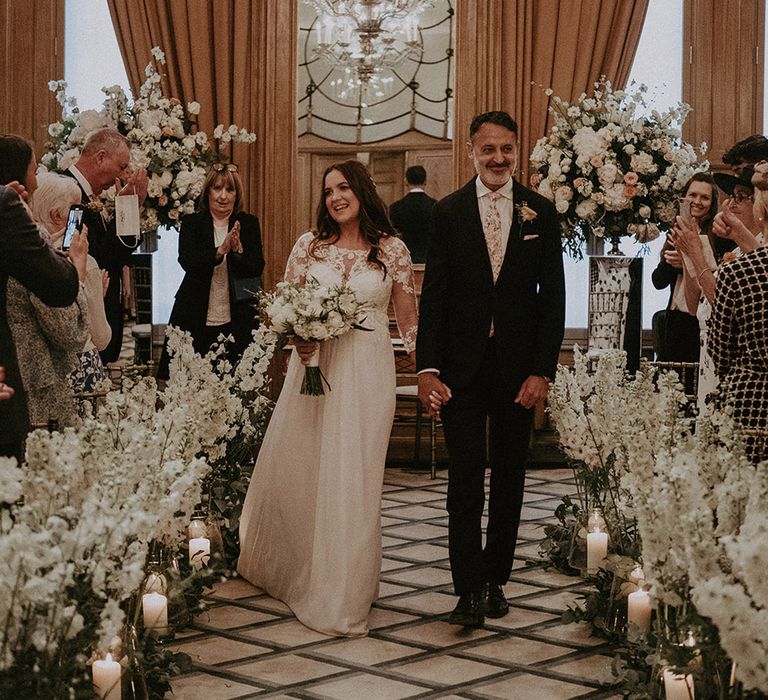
x=597, y=548
x=199, y=552
x=155, y=607
x=106, y=679
x=678, y=686
x=197, y=528
x=639, y=610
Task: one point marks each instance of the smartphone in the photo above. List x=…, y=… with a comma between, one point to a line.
x=74, y=224
x=685, y=209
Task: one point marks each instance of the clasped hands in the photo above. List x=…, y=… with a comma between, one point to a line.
x=433, y=393
x=231, y=242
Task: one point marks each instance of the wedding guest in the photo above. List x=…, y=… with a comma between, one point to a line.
x=46, y=338
x=220, y=252
x=736, y=222
x=310, y=530
x=746, y=152
x=50, y=206
x=103, y=162
x=492, y=318
x=26, y=257
x=410, y=215
x=739, y=345
x=678, y=339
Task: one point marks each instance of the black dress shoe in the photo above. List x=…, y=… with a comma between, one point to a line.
x=467, y=612
x=493, y=603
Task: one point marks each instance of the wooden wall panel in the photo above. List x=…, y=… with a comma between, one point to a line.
x=32, y=53
x=723, y=72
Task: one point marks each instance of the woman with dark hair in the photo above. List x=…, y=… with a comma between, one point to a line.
x=678, y=333
x=17, y=162
x=310, y=531
x=738, y=223
x=220, y=252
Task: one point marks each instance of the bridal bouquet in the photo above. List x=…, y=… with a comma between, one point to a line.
x=312, y=312
x=611, y=171
x=163, y=138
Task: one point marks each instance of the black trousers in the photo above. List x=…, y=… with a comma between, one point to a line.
x=465, y=417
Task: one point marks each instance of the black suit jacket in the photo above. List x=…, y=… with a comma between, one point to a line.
x=26, y=257
x=410, y=216
x=111, y=254
x=197, y=256
x=459, y=298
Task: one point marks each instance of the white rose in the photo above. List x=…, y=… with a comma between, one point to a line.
x=586, y=209
x=193, y=108
x=644, y=211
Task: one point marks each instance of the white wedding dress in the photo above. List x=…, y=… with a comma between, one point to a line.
x=310, y=531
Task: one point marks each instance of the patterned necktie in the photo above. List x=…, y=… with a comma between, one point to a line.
x=492, y=230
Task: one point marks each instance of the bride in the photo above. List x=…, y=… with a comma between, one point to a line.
x=310, y=531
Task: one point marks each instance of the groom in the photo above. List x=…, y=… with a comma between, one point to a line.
x=492, y=318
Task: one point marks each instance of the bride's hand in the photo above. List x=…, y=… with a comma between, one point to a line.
x=305, y=348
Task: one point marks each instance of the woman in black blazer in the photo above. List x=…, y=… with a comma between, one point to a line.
x=220, y=252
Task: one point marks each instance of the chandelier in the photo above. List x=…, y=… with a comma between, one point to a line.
x=362, y=38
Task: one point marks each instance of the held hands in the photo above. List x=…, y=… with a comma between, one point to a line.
x=533, y=390
x=433, y=394
x=305, y=348
x=231, y=243
x=136, y=184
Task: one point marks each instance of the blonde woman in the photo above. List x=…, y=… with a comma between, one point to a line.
x=50, y=206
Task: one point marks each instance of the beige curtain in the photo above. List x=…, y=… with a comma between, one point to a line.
x=237, y=58
x=506, y=49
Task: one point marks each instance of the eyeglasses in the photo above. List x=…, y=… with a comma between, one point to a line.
x=740, y=197
x=221, y=167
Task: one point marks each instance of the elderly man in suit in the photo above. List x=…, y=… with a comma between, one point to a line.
x=491, y=323
x=104, y=161
x=26, y=257
x=410, y=215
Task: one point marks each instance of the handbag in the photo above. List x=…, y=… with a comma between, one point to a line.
x=245, y=288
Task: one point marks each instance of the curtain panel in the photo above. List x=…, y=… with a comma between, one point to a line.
x=237, y=58
x=509, y=51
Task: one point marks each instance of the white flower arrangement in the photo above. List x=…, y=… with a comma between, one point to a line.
x=94, y=498
x=698, y=504
x=312, y=312
x=610, y=171
x=163, y=138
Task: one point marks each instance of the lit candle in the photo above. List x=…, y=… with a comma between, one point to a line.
x=199, y=552
x=678, y=686
x=106, y=679
x=636, y=576
x=155, y=583
x=597, y=548
x=197, y=528
x=155, y=607
x=639, y=610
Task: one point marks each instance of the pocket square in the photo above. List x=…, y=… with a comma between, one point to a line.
x=530, y=236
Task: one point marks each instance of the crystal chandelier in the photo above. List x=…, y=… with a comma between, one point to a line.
x=362, y=38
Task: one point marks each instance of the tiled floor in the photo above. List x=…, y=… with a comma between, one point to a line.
x=248, y=645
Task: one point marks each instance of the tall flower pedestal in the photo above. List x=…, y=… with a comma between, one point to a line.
x=615, y=307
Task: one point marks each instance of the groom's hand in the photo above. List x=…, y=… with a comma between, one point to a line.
x=432, y=393
x=533, y=390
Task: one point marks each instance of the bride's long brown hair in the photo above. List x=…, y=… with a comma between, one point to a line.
x=374, y=221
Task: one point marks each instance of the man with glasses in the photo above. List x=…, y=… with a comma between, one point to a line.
x=104, y=161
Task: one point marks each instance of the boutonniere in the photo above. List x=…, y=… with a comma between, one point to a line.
x=97, y=205
x=525, y=213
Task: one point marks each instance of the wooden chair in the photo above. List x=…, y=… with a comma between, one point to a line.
x=407, y=393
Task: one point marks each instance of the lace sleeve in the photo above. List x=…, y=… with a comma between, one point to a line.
x=398, y=261
x=299, y=260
